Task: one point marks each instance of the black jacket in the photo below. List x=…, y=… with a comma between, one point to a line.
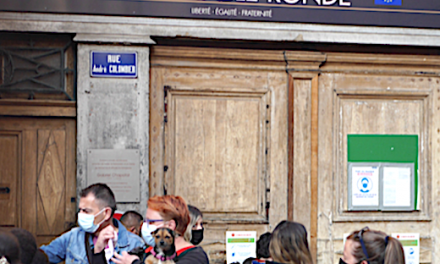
x=194, y=255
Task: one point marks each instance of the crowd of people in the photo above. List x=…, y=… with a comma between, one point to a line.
x=171, y=231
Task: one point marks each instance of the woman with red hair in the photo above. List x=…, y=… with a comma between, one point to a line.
x=171, y=212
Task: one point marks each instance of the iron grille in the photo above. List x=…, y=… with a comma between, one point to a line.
x=33, y=67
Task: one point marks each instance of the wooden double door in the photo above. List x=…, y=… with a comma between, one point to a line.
x=37, y=175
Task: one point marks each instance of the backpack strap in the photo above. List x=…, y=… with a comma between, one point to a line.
x=88, y=248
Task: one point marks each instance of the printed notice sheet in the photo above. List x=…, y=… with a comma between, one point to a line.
x=240, y=245
x=411, y=246
x=396, y=186
x=365, y=186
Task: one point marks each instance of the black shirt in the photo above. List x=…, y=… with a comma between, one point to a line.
x=99, y=258
x=195, y=255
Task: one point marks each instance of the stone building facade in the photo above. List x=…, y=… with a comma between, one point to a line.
x=253, y=116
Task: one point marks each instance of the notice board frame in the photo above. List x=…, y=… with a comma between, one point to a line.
x=381, y=206
x=386, y=148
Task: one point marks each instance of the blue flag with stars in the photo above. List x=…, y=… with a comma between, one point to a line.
x=388, y=2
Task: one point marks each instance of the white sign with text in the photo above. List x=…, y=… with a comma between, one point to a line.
x=240, y=245
x=365, y=186
x=411, y=246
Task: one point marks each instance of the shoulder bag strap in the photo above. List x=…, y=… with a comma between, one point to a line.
x=88, y=248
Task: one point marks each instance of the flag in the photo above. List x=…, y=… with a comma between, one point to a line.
x=388, y=2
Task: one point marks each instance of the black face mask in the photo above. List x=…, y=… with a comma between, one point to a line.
x=196, y=236
x=343, y=262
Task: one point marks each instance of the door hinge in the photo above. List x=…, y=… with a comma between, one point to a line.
x=165, y=192
x=165, y=90
x=165, y=103
x=267, y=210
x=267, y=203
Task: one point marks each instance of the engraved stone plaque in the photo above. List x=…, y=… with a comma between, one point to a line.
x=119, y=169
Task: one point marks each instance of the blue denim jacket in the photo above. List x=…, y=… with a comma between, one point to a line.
x=71, y=245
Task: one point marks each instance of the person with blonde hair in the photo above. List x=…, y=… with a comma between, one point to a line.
x=289, y=244
x=367, y=246
x=194, y=231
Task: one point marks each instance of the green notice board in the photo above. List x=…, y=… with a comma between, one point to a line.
x=385, y=148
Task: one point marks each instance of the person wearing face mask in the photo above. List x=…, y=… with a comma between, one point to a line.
x=194, y=231
x=171, y=212
x=367, y=246
x=99, y=236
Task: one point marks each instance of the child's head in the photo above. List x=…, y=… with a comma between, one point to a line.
x=248, y=261
x=263, y=246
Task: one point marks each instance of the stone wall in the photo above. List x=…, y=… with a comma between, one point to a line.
x=113, y=113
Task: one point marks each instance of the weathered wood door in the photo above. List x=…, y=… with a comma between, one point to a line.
x=215, y=151
x=219, y=137
x=37, y=175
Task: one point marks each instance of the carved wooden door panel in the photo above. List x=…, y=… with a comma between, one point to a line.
x=215, y=151
x=9, y=170
x=39, y=157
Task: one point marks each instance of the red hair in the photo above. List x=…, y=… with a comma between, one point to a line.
x=171, y=207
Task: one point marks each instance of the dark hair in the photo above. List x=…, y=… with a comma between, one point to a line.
x=263, y=245
x=9, y=247
x=102, y=193
x=131, y=218
x=40, y=257
x=289, y=244
x=248, y=261
x=194, y=211
x=30, y=254
x=381, y=249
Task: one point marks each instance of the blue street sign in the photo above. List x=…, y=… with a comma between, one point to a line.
x=113, y=64
x=388, y=2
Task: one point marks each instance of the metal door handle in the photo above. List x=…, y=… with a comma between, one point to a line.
x=5, y=190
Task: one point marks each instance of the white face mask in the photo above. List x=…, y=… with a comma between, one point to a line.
x=87, y=222
x=146, y=233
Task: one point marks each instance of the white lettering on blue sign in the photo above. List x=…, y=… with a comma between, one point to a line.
x=318, y=2
x=114, y=58
x=113, y=64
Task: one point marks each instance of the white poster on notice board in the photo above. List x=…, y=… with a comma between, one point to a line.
x=397, y=186
x=240, y=245
x=411, y=246
x=365, y=186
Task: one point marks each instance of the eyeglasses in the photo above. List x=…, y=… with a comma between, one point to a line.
x=152, y=221
x=361, y=240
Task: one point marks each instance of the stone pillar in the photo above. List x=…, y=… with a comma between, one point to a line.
x=113, y=113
